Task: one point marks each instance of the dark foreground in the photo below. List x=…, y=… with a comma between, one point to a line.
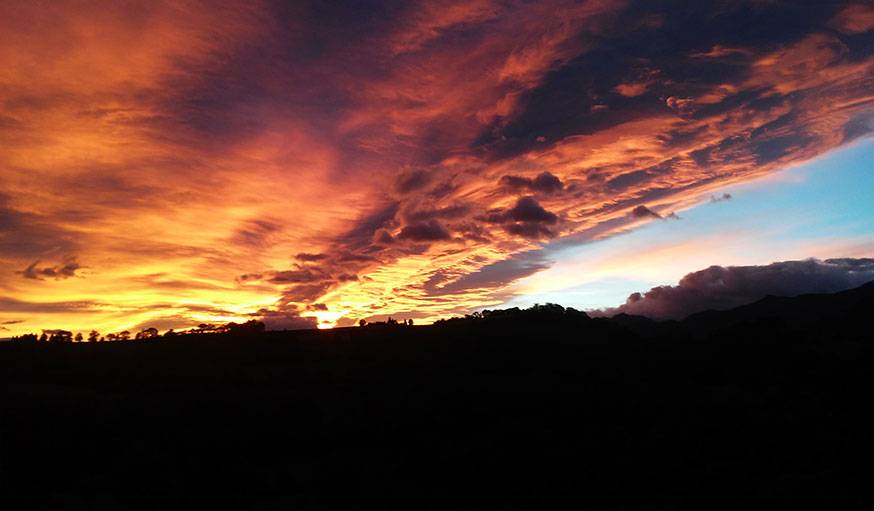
x=766, y=404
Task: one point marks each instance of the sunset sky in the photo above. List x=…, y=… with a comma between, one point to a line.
x=315, y=163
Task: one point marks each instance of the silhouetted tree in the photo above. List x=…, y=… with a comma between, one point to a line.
x=93, y=335
x=147, y=333
x=78, y=337
x=249, y=327
x=43, y=337
x=362, y=322
x=60, y=335
x=170, y=333
x=124, y=336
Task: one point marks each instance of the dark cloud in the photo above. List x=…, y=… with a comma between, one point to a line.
x=529, y=230
x=861, y=125
x=772, y=149
x=545, y=182
x=288, y=319
x=724, y=197
x=362, y=233
x=9, y=322
x=410, y=181
x=721, y=287
x=691, y=50
x=527, y=209
x=449, y=212
x=629, y=179
x=306, y=292
x=27, y=235
x=492, y=276
x=304, y=275
x=68, y=268
x=432, y=230
x=250, y=277
x=383, y=237
x=306, y=257
x=84, y=307
x=527, y=218
x=644, y=212
x=256, y=233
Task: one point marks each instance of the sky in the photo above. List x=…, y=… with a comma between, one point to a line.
x=820, y=209
x=315, y=163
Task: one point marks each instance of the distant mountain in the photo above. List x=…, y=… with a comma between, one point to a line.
x=798, y=312
x=851, y=307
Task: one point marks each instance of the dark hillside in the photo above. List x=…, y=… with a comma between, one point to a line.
x=522, y=410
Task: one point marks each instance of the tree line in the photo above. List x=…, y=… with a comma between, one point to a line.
x=66, y=336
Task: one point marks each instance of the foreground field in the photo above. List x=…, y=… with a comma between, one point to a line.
x=530, y=411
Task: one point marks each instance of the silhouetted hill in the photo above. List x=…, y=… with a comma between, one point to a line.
x=800, y=312
x=766, y=405
x=643, y=326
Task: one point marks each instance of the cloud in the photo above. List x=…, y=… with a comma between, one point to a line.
x=644, y=212
x=298, y=276
x=493, y=276
x=259, y=130
x=529, y=230
x=68, y=268
x=527, y=209
x=25, y=234
x=410, y=181
x=3, y=324
x=724, y=197
x=432, y=230
x=544, y=182
x=256, y=233
x=306, y=257
x=854, y=19
x=288, y=319
x=722, y=288
x=527, y=218
x=71, y=307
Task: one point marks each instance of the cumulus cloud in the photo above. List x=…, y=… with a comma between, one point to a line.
x=720, y=288
x=527, y=218
x=527, y=209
